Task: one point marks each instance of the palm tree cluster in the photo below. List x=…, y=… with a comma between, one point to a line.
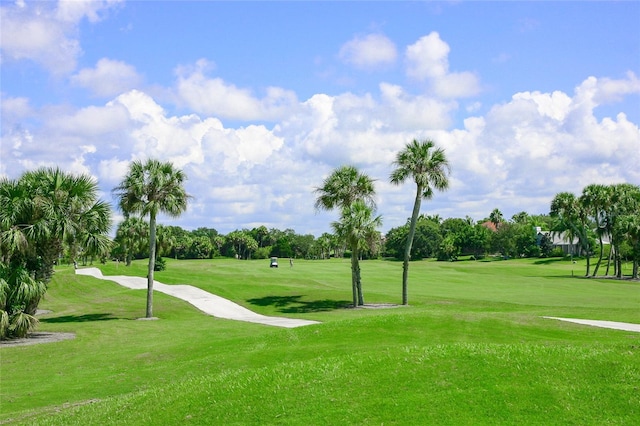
x=353, y=193
x=43, y=215
x=604, y=212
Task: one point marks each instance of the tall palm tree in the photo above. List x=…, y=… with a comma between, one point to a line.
x=344, y=186
x=148, y=189
x=429, y=168
x=357, y=227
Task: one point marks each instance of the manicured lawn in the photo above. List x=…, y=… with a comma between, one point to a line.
x=471, y=348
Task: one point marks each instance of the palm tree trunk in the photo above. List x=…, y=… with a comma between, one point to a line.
x=354, y=282
x=407, y=249
x=152, y=263
x=358, y=279
x=595, y=270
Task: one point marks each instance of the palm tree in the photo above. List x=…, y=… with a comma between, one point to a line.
x=42, y=213
x=148, y=189
x=624, y=202
x=429, y=168
x=131, y=235
x=572, y=218
x=344, y=186
x=595, y=198
x=496, y=217
x=357, y=227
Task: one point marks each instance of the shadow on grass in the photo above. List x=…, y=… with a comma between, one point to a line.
x=549, y=261
x=79, y=318
x=293, y=304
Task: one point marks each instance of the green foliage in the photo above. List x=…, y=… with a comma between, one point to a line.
x=44, y=214
x=262, y=253
x=160, y=264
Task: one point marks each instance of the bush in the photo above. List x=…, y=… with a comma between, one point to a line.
x=556, y=252
x=160, y=265
x=262, y=253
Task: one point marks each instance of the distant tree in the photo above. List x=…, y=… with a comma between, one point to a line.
x=594, y=200
x=428, y=167
x=496, y=217
x=521, y=218
x=131, y=236
x=572, y=219
x=149, y=189
x=622, y=219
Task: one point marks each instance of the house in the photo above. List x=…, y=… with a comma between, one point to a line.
x=559, y=240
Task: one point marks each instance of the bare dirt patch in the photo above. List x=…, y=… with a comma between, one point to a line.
x=37, y=338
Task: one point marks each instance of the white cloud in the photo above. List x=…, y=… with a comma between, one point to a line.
x=213, y=96
x=108, y=78
x=14, y=109
x=428, y=59
x=368, y=52
x=47, y=33
x=516, y=156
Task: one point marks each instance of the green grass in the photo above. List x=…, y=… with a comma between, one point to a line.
x=471, y=348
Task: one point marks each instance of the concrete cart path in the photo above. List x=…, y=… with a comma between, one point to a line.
x=625, y=326
x=208, y=303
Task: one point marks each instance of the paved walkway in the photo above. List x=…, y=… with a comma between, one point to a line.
x=208, y=303
x=625, y=326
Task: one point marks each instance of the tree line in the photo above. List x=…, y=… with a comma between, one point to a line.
x=48, y=215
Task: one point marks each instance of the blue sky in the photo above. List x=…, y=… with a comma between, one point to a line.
x=259, y=101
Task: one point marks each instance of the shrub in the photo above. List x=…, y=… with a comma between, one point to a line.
x=160, y=265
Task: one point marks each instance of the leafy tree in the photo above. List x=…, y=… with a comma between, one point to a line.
x=427, y=165
x=131, y=236
x=200, y=248
x=357, y=227
x=241, y=244
x=149, y=189
x=42, y=214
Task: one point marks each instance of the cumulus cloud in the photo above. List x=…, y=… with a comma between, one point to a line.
x=214, y=96
x=47, y=32
x=428, y=60
x=370, y=51
x=108, y=78
x=518, y=155
x=524, y=151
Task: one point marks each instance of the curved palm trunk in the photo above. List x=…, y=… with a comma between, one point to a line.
x=595, y=270
x=152, y=263
x=407, y=249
